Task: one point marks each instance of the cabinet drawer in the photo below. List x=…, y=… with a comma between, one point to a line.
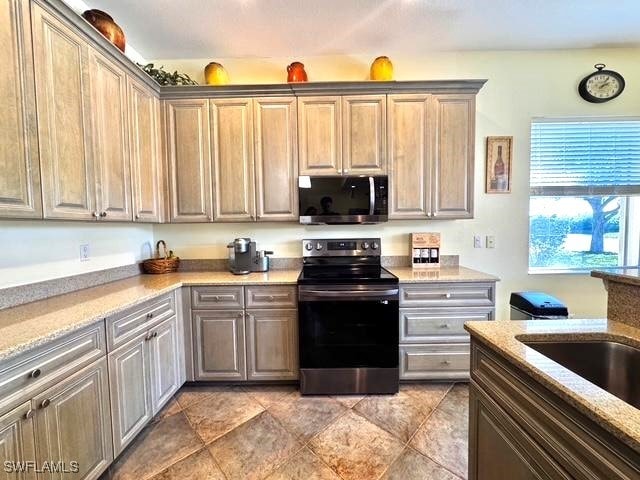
x=447, y=295
x=440, y=325
x=28, y=373
x=426, y=362
x=127, y=325
x=271, y=297
x=217, y=297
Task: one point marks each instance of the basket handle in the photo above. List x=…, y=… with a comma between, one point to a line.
x=164, y=247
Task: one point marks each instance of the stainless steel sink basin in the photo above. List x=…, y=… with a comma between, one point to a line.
x=612, y=366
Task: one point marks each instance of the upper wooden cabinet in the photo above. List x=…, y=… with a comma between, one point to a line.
x=320, y=135
x=189, y=160
x=146, y=153
x=276, y=158
x=232, y=148
x=111, y=141
x=431, y=155
x=364, y=135
x=64, y=118
x=19, y=159
x=454, y=147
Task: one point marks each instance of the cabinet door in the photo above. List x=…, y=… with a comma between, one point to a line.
x=64, y=120
x=276, y=158
x=320, y=135
x=164, y=355
x=409, y=156
x=111, y=141
x=17, y=442
x=454, y=133
x=129, y=377
x=364, y=135
x=145, y=152
x=272, y=344
x=72, y=423
x=189, y=160
x=219, y=346
x=19, y=160
x=232, y=130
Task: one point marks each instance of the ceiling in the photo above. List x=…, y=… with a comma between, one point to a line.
x=163, y=29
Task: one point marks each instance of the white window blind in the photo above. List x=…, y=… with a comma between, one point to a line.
x=585, y=157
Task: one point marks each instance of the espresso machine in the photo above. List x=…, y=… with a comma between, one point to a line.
x=244, y=259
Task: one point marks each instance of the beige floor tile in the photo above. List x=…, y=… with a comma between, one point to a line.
x=171, y=408
x=355, y=448
x=457, y=399
x=220, y=412
x=254, y=449
x=192, y=394
x=413, y=466
x=348, y=401
x=199, y=466
x=304, y=465
x=444, y=436
x=400, y=414
x=304, y=416
x=429, y=394
x=157, y=447
x=267, y=394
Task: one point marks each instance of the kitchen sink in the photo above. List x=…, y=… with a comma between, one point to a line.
x=613, y=366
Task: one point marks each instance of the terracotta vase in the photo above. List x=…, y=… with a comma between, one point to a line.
x=296, y=73
x=103, y=22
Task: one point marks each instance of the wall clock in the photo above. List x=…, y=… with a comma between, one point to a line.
x=601, y=85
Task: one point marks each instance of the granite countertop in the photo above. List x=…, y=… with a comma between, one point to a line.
x=607, y=410
x=629, y=275
x=442, y=274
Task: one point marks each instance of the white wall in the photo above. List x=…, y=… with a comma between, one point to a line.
x=521, y=85
x=33, y=251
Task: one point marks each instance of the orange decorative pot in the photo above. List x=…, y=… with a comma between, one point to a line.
x=381, y=69
x=106, y=26
x=215, y=74
x=296, y=73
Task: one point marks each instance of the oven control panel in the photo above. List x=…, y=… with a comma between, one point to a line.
x=341, y=247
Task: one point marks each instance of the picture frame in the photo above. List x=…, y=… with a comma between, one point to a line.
x=498, y=164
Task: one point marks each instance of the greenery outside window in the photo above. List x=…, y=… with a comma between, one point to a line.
x=584, y=209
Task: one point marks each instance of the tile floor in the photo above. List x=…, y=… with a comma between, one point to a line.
x=271, y=432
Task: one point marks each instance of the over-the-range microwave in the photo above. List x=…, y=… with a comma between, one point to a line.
x=343, y=200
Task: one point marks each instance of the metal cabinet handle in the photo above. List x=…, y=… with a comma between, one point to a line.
x=445, y=362
x=28, y=414
x=35, y=373
x=447, y=295
x=148, y=337
x=444, y=325
x=45, y=403
x=155, y=334
x=103, y=214
x=216, y=298
x=150, y=315
x=241, y=315
x=94, y=214
x=271, y=298
x=137, y=217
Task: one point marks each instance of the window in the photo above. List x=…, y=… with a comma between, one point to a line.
x=584, y=208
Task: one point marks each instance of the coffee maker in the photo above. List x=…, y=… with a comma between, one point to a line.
x=244, y=259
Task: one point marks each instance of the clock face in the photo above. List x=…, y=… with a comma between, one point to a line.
x=602, y=85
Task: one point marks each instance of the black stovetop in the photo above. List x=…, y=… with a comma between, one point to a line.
x=345, y=274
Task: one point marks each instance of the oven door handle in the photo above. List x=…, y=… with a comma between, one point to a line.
x=388, y=294
x=372, y=196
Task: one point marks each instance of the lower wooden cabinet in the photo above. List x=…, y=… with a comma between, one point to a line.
x=17, y=441
x=165, y=352
x=218, y=341
x=272, y=344
x=72, y=423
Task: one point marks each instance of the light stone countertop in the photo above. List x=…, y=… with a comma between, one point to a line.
x=629, y=275
x=442, y=274
x=607, y=410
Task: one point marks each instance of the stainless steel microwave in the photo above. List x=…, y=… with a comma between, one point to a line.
x=343, y=200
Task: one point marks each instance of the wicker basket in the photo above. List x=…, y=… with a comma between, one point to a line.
x=161, y=264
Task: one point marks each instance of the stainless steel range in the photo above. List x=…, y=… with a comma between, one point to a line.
x=348, y=314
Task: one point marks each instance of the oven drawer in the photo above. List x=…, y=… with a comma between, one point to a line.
x=271, y=297
x=447, y=295
x=217, y=298
x=440, y=325
x=430, y=362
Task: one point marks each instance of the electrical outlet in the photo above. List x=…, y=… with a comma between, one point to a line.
x=84, y=252
x=491, y=241
x=477, y=241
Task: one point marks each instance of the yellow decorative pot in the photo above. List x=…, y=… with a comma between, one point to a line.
x=381, y=69
x=215, y=74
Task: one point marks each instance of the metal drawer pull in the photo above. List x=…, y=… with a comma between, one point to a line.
x=216, y=298
x=155, y=334
x=45, y=403
x=150, y=315
x=148, y=337
x=444, y=325
x=271, y=298
x=445, y=362
x=29, y=414
x=36, y=373
x=447, y=295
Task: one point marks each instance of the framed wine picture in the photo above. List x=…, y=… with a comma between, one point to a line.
x=498, y=168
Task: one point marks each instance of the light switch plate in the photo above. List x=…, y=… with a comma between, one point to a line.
x=84, y=252
x=491, y=241
x=477, y=241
